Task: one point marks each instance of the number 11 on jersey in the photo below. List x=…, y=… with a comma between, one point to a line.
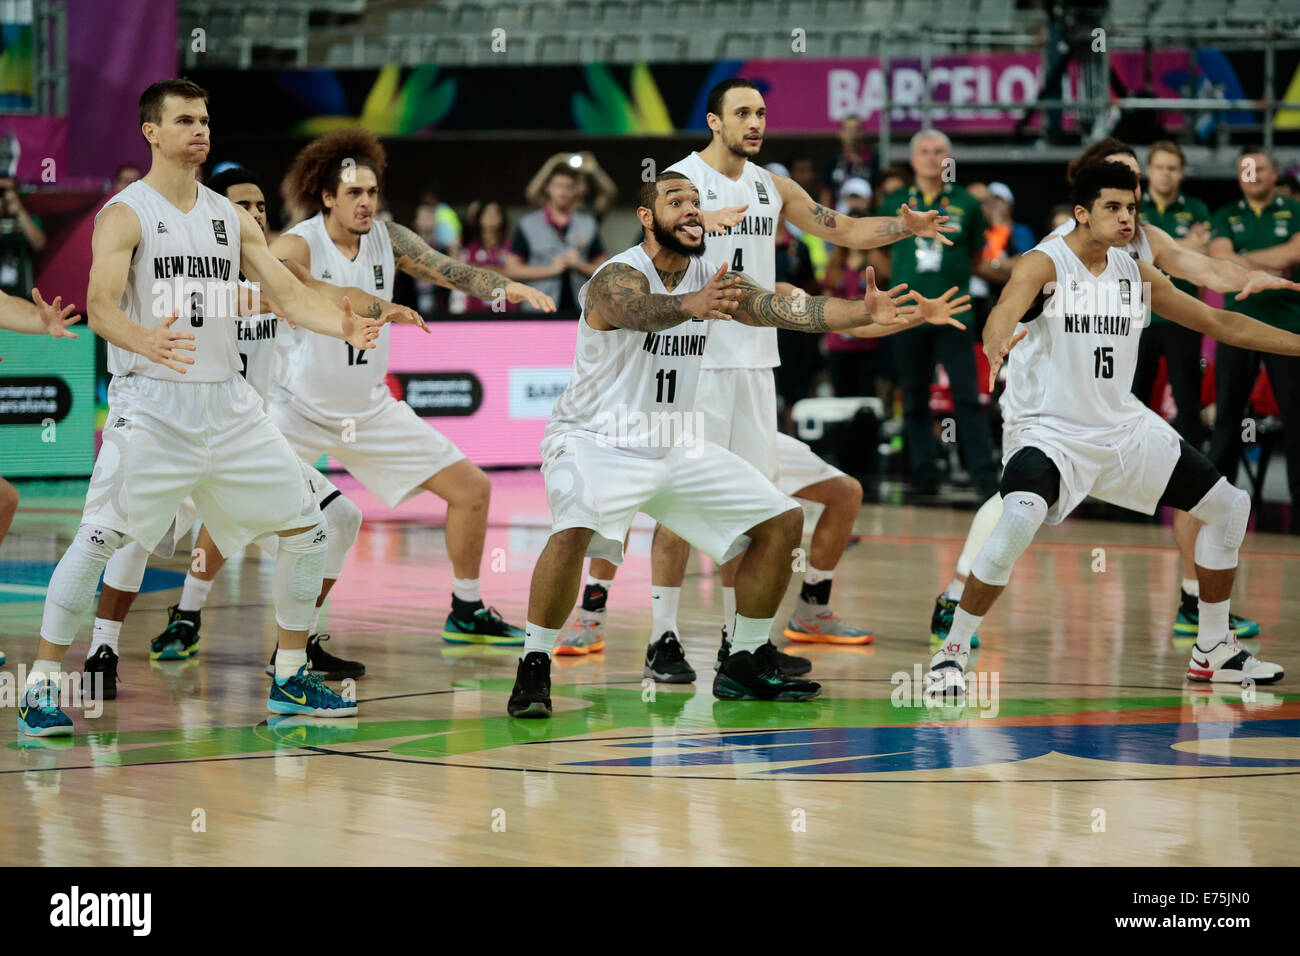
x=669, y=378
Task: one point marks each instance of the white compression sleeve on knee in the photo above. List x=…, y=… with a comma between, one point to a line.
x=1023, y=512
x=981, y=527
x=1225, y=509
x=343, y=518
x=126, y=567
x=72, y=585
x=296, y=581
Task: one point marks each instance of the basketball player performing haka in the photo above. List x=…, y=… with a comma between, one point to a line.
x=1151, y=244
x=19, y=315
x=736, y=400
x=182, y=426
x=256, y=340
x=619, y=442
x=333, y=399
x=1076, y=428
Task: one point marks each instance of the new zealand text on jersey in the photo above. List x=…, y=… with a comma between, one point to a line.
x=659, y=344
x=255, y=330
x=1098, y=324
x=191, y=267
x=753, y=226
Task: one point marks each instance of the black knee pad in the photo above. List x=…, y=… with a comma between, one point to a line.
x=1192, y=479
x=1030, y=470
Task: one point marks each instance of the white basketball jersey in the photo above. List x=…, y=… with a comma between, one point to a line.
x=636, y=390
x=258, y=356
x=186, y=262
x=325, y=375
x=1074, y=370
x=749, y=248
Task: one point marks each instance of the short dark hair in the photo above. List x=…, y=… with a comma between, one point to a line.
x=318, y=167
x=719, y=92
x=234, y=176
x=561, y=169
x=650, y=190
x=151, y=100
x=1090, y=180
x=1096, y=153
x=1257, y=149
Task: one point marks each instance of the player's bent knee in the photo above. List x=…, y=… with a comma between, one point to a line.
x=299, y=569
x=1023, y=514
x=1225, y=509
x=571, y=540
x=848, y=491
x=343, y=517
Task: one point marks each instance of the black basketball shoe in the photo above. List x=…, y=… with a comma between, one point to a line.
x=757, y=676
x=103, y=663
x=790, y=665
x=666, y=662
x=531, y=696
x=181, y=638
x=324, y=664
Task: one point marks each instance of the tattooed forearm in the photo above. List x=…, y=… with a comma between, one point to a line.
x=823, y=215
x=424, y=262
x=621, y=296
x=889, y=226
x=815, y=313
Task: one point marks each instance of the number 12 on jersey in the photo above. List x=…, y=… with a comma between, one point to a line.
x=669, y=378
x=356, y=356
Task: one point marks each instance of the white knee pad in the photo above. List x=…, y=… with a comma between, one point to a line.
x=125, y=569
x=1023, y=512
x=72, y=585
x=296, y=582
x=343, y=518
x=1225, y=509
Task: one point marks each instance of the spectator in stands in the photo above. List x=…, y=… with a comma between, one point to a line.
x=891, y=181
x=1289, y=186
x=801, y=358
x=21, y=240
x=1258, y=228
x=1058, y=217
x=437, y=223
x=854, y=364
x=1187, y=220
x=556, y=248
x=596, y=192
x=931, y=267
x=1003, y=206
x=804, y=173
x=126, y=174
x=854, y=160
x=486, y=247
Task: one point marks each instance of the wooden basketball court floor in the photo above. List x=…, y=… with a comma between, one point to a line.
x=1082, y=743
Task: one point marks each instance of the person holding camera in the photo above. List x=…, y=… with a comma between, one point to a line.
x=21, y=239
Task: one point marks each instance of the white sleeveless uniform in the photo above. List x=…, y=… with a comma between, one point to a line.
x=624, y=437
x=202, y=433
x=737, y=391
x=1070, y=386
x=333, y=399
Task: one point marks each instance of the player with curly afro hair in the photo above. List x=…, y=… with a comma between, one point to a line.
x=326, y=163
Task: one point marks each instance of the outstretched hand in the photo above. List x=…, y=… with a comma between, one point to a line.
x=1258, y=280
x=359, y=331
x=165, y=345
x=716, y=299
x=883, y=307
x=996, y=353
x=938, y=311
x=716, y=220
x=54, y=317
x=929, y=224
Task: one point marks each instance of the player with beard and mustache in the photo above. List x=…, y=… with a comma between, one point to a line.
x=621, y=440
x=737, y=391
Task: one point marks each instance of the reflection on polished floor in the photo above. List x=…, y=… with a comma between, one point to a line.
x=1081, y=745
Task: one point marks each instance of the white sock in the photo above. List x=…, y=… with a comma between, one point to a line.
x=1212, y=625
x=663, y=605
x=466, y=589
x=956, y=588
x=592, y=579
x=964, y=625
x=195, y=594
x=106, y=632
x=539, y=639
x=728, y=612
x=288, y=663
x=751, y=633
x=42, y=671
x=1192, y=586
x=817, y=576
x=322, y=614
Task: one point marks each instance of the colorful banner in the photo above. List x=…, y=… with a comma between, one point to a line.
x=47, y=405
x=487, y=385
x=804, y=95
